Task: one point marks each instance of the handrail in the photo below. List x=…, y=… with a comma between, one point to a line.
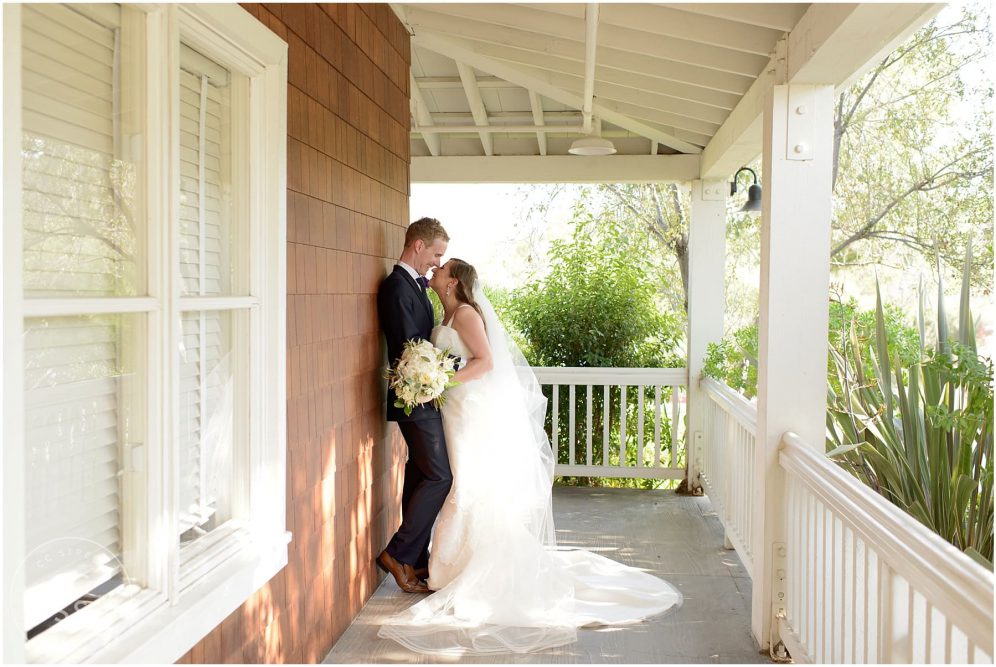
x=958, y=585
x=733, y=403
x=673, y=377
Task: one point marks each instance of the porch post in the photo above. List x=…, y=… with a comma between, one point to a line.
x=706, y=304
x=792, y=345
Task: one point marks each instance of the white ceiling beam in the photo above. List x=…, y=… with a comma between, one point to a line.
x=705, y=120
x=665, y=21
x=496, y=129
x=422, y=116
x=654, y=115
x=476, y=102
x=641, y=98
x=590, y=46
x=463, y=52
x=555, y=169
x=507, y=116
x=605, y=75
x=831, y=44
x=449, y=82
x=837, y=43
x=775, y=16
x=537, y=107
x=573, y=49
x=675, y=48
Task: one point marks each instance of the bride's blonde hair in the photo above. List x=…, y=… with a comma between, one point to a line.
x=466, y=276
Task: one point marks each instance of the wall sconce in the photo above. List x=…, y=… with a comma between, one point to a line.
x=753, y=205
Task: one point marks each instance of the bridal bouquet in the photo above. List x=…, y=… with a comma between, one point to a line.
x=422, y=375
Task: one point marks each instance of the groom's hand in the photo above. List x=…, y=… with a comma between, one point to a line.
x=456, y=361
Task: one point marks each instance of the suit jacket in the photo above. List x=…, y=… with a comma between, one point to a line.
x=405, y=313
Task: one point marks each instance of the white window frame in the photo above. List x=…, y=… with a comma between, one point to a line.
x=162, y=620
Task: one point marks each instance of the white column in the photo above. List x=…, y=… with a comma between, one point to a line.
x=792, y=345
x=706, y=303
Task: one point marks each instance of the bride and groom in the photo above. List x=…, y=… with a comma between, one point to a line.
x=478, y=486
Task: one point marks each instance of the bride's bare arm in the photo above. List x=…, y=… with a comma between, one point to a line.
x=470, y=326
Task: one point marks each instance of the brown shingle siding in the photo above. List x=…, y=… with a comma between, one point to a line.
x=347, y=208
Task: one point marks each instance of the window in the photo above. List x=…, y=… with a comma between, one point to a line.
x=144, y=304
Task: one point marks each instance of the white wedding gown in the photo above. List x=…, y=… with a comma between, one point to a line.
x=501, y=585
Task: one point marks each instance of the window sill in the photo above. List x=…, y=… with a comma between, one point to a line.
x=159, y=632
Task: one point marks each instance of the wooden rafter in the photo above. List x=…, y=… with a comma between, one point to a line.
x=476, y=102
x=537, y=108
x=422, y=116
x=460, y=52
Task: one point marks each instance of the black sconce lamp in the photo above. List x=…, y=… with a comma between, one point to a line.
x=753, y=204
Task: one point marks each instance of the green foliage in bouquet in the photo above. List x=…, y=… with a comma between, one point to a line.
x=920, y=433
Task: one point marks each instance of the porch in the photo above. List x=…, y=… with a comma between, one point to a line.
x=676, y=537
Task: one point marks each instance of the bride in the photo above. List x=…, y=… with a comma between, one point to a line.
x=501, y=584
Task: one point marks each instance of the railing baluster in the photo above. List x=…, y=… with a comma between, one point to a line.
x=587, y=459
x=811, y=576
x=675, y=422
x=639, y=426
x=929, y=628
x=791, y=540
x=657, y=427
x=851, y=655
x=885, y=611
x=570, y=426
x=947, y=641
x=622, y=426
x=606, y=400
x=555, y=436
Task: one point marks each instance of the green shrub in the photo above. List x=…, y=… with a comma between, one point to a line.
x=920, y=433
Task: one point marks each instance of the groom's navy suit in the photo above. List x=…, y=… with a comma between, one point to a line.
x=405, y=314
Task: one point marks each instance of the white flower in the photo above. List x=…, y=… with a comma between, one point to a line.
x=421, y=375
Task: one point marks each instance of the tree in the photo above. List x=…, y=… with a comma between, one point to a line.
x=596, y=307
x=912, y=152
x=662, y=211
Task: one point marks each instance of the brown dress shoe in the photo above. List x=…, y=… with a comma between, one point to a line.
x=422, y=573
x=403, y=573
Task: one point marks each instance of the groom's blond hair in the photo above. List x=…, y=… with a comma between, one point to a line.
x=425, y=230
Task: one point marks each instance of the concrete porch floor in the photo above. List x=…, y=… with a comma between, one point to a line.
x=675, y=537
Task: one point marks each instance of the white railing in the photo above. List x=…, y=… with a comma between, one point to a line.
x=639, y=432
x=867, y=582
x=728, y=463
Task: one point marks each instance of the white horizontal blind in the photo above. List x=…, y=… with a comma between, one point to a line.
x=205, y=383
x=78, y=241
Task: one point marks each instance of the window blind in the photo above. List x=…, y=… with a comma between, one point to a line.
x=78, y=241
x=205, y=381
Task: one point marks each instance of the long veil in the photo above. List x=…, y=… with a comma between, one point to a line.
x=513, y=590
x=513, y=383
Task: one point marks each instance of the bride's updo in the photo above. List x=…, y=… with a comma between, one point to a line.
x=466, y=276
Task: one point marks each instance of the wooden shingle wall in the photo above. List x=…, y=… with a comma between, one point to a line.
x=347, y=209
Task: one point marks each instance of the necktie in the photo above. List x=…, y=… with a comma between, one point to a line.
x=423, y=282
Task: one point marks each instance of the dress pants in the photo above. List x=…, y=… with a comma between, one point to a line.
x=427, y=483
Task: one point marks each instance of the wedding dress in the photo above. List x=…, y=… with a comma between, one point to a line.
x=501, y=584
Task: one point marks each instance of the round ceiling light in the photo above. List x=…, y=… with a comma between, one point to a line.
x=591, y=146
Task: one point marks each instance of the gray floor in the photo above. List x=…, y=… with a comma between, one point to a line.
x=676, y=537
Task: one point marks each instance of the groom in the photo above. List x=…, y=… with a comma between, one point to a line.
x=405, y=314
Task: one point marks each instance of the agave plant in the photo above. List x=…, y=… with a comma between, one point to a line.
x=921, y=435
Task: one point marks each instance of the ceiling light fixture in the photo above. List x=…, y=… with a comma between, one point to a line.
x=592, y=146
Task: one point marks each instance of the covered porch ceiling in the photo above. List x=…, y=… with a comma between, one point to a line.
x=500, y=91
